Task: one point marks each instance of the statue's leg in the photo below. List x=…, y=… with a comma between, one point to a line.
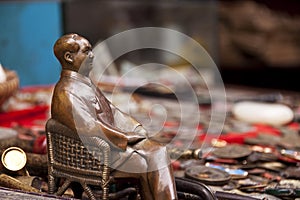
x=162, y=184
x=160, y=173
x=136, y=161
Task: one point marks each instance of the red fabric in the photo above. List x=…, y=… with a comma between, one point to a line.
x=294, y=126
x=34, y=116
x=239, y=138
x=27, y=117
x=40, y=145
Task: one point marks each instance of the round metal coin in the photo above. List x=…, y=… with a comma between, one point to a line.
x=232, y=151
x=207, y=175
x=14, y=158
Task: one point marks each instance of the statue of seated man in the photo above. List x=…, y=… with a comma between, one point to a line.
x=80, y=105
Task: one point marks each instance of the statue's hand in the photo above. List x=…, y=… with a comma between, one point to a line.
x=134, y=138
x=139, y=130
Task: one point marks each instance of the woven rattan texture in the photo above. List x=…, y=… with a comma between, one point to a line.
x=71, y=152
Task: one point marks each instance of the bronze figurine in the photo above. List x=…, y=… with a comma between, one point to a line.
x=80, y=105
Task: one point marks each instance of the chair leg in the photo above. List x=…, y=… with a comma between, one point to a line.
x=105, y=193
x=51, y=184
x=88, y=191
x=63, y=188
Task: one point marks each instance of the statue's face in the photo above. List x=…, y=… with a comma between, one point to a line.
x=83, y=59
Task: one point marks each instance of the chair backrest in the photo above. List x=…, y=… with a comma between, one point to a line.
x=67, y=151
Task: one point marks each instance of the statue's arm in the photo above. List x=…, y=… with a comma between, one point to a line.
x=127, y=123
x=88, y=124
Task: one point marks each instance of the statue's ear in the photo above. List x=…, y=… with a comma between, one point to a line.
x=68, y=57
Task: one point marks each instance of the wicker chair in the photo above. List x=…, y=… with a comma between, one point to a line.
x=69, y=159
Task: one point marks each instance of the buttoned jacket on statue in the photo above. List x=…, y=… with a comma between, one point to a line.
x=81, y=106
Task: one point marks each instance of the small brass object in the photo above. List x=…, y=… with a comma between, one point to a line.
x=14, y=158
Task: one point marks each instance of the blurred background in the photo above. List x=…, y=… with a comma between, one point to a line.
x=253, y=42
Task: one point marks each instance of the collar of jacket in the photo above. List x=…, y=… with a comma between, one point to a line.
x=77, y=76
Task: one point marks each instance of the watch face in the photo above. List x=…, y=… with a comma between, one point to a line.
x=232, y=151
x=208, y=175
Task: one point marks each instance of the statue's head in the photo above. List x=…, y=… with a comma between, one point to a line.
x=74, y=52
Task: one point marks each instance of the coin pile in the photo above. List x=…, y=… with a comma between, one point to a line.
x=250, y=159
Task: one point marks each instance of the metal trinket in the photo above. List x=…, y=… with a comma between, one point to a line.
x=208, y=175
x=232, y=151
x=14, y=159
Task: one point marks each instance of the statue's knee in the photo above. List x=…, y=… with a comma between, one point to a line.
x=140, y=163
x=135, y=164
